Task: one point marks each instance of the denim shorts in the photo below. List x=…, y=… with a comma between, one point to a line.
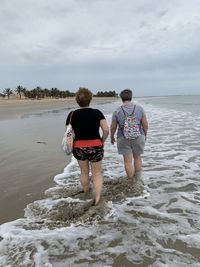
x=93, y=153
x=135, y=146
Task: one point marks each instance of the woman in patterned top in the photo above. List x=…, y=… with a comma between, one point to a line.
x=130, y=149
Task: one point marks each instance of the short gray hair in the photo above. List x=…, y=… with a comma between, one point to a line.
x=126, y=95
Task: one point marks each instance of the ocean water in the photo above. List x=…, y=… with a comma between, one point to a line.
x=155, y=224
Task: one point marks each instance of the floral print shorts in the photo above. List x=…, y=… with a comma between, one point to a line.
x=93, y=153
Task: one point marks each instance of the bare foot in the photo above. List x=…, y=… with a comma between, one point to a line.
x=97, y=200
x=94, y=202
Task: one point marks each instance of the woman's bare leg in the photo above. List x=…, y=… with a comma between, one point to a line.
x=85, y=181
x=137, y=163
x=97, y=178
x=128, y=165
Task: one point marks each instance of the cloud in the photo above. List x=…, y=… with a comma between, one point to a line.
x=102, y=43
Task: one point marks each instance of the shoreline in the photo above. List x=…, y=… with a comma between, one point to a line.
x=15, y=108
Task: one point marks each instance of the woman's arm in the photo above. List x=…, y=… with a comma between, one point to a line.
x=145, y=124
x=105, y=129
x=113, y=128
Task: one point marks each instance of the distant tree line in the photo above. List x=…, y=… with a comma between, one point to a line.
x=106, y=94
x=38, y=93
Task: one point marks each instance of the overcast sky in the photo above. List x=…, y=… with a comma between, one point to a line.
x=150, y=46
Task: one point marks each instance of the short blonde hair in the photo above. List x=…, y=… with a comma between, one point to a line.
x=83, y=97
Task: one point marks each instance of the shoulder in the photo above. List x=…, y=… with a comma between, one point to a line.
x=76, y=110
x=74, y=114
x=138, y=106
x=69, y=117
x=117, y=114
x=70, y=113
x=99, y=113
x=96, y=110
x=118, y=110
x=139, y=109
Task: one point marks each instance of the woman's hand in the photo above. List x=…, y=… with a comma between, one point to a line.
x=112, y=140
x=113, y=128
x=105, y=129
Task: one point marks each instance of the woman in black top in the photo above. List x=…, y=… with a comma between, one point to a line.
x=88, y=144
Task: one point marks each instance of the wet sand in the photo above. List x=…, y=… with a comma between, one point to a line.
x=21, y=187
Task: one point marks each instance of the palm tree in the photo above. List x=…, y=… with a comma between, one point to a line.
x=24, y=91
x=19, y=90
x=8, y=92
x=37, y=92
x=46, y=92
x=54, y=92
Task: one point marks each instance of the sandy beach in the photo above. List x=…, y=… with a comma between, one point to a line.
x=29, y=162
x=10, y=109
